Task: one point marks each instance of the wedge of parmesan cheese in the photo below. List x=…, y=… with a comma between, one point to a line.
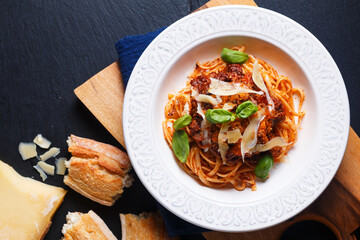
x=53, y=152
x=26, y=205
x=47, y=168
x=42, y=142
x=27, y=150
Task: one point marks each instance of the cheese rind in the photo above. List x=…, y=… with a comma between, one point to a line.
x=26, y=205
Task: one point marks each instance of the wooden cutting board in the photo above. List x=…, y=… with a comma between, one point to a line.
x=338, y=207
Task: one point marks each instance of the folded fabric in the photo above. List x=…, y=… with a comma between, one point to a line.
x=130, y=49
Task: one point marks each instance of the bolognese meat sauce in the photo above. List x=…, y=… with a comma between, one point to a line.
x=233, y=73
x=201, y=84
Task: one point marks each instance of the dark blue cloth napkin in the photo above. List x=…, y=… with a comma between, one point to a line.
x=130, y=49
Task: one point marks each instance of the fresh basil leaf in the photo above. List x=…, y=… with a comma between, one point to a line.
x=234, y=56
x=219, y=116
x=246, y=109
x=182, y=122
x=180, y=145
x=263, y=166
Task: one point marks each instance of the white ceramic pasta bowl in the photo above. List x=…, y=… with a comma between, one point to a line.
x=313, y=161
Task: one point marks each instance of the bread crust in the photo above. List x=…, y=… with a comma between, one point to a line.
x=87, y=226
x=68, y=181
x=108, y=156
x=101, y=224
x=148, y=226
x=123, y=226
x=97, y=170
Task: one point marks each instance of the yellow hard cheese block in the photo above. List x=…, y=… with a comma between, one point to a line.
x=26, y=205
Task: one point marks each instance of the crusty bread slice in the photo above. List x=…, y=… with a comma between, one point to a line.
x=108, y=156
x=97, y=170
x=80, y=226
x=148, y=226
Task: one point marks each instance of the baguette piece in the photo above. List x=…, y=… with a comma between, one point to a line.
x=97, y=170
x=86, y=226
x=148, y=226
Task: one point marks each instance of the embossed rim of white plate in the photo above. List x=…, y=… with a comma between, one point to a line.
x=291, y=201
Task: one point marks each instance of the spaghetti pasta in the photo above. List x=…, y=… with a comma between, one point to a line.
x=226, y=154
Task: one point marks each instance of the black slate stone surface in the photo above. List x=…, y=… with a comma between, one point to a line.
x=48, y=48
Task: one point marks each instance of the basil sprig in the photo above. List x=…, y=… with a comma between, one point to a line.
x=263, y=166
x=234, y=56
x=219, y=116
x=246, y=109
x=180, y=145
x=182, y=122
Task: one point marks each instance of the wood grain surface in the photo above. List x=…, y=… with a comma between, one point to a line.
x=103, y=95
x=342, y=196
